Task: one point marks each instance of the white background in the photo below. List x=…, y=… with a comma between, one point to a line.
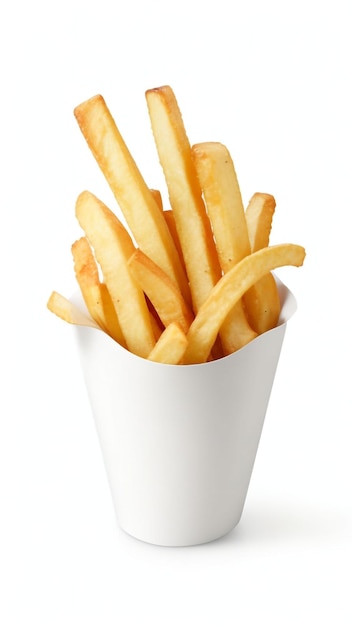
x=271, y=80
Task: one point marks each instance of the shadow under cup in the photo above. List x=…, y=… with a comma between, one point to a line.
x=179, y=441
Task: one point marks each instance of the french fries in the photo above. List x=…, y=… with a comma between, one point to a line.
x=185, y=195
x=224, y=205
x=161, y=291
x=69, y=312
x=262, y=301
x=95, y=293
x=227, y=292
x=113, y=247
x=170, y=347
x=218, y=180
x=183, y=283
x=259, y=215
x=135, y=199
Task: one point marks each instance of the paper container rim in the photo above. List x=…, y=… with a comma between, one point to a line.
x=288, y=304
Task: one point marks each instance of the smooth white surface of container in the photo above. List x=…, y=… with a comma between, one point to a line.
x=179, y=441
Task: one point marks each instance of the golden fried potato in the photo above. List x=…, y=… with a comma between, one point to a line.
x=262, y=301
x=229, y=290
x=259, y=215
x=68, y=312
x=135, y=199
x=219, y=184
x=170, y=347
x=162, y=292
x=95, y=293
x=185, y=195
x=113, y=247
x=218, y=180
x=185, y=283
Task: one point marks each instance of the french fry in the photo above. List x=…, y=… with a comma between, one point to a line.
x=236, y=331
x=262, y=301
x=95, y=293
x=113, y=247
x=170, y=220
x=229, y=290
x=219, y=184
x=68, y=312
x=158, y=198
x=170, y=347
x=193, y=227
x=259, y=214
x=157, y=325
x=162, y=292
x=135, y=199
x=262, y=304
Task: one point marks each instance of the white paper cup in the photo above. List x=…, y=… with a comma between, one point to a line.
x=179, y=441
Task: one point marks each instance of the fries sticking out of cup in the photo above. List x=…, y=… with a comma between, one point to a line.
x=189, y=279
